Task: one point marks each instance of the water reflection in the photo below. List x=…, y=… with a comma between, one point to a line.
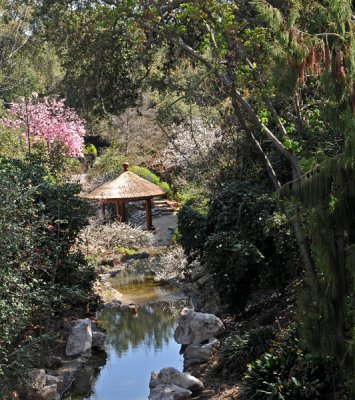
x=82, y=387
x=152, y=327
x=137, y=284
x=136, y=346
x=139, y=340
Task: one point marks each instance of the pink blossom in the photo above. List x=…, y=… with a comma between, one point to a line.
x=52, y=121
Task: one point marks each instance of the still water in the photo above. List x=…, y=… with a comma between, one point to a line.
x=140, y=340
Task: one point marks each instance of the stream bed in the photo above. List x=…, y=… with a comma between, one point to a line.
x=139, y=340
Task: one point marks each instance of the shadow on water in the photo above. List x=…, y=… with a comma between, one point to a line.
x=139, y=341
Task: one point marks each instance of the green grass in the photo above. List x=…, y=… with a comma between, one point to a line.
x=125, y=251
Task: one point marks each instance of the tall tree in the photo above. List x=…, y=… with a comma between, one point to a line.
x=104, y=57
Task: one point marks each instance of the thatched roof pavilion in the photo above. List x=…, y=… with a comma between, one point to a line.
x=127, y=187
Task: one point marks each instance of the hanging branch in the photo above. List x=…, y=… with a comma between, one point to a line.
x=244, y=103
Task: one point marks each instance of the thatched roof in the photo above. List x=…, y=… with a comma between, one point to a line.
x=127, y=186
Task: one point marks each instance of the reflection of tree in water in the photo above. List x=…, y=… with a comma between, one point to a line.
x=84, y=383
x=135, y=272
x=153, y=326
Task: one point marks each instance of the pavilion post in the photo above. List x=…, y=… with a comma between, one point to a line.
x=118, y=214
x=103, y=211
x=123, y=211
x=148, y=206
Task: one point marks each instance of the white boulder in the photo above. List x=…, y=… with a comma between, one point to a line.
x=199, y=354
x=48, y=393
x=196, y=327
x=36, y=378
x=53, y=380
x=171, y=376
x=169, y=392
x=80, y=338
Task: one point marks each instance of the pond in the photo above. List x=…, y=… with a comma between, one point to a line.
x=140, y=340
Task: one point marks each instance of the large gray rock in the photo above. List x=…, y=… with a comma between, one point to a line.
x=199, y=354
x=197, y=273
x=54, y=362
x=36, y=378
x=196, y=327
x=171, y=376
x=53, y=380
x=80, y=338
x=169, y=392
x=203, y=281
x=48, y=393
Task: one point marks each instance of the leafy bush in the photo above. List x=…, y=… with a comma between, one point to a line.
x=125, y=251
x=109, y=164
x=90, y=149
x=150, y=176
x=235, y=263
x=77, y=274
x=18, y=293
x=192, y=223
x=242, y=238
x=238, y=351
x=40, y=219
x=236, y=251
x=289, y=372
x=90, y=153
x=281, y=252
x=243, y=207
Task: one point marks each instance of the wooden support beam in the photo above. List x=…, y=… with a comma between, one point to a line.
x=103, y=211
x=118, y=214
x=148, y=207
x=123, y=212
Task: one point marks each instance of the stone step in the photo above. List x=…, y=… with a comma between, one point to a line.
x=168, y=209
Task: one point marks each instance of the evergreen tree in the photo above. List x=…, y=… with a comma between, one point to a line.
x=325, y=51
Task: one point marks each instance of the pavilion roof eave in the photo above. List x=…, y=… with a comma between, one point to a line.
x=127, y=187
x=125, y=199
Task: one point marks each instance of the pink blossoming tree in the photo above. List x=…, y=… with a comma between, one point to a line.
x=51, y=121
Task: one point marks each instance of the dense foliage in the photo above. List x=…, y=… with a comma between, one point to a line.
x=192, y=221
x=243, y=240
x=289, y=371
x=40, y=221
x=240, y=350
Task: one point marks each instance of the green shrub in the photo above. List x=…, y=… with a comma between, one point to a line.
x=77, y=273
x=235, y=263
x=189, y=193
x=176, y=237
x=235, y=250
x=90, y=149
x=192, y=225
x=244, y=240
x=281, y=252
x=19, y=295
x=125, y=251
x=39, y=222
x=289, y=372
x=241, y=206
x=109, y=164
x=238, y=351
